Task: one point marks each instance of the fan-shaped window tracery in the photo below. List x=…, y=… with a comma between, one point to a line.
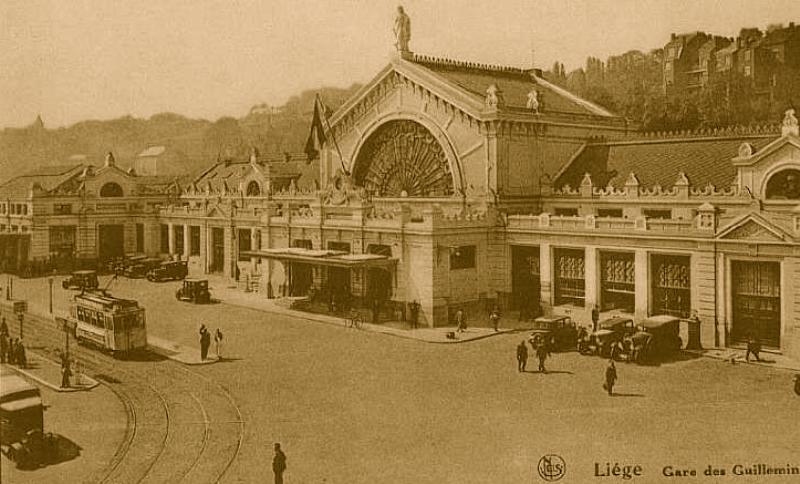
x=403, y=158
x=784, y=185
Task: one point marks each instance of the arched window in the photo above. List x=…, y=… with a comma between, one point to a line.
x=784, y=185
x=111, y=189
x=253, y=189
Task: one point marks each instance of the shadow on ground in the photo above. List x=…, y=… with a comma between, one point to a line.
x=42, y=450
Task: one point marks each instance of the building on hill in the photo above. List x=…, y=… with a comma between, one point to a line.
x=689, y=61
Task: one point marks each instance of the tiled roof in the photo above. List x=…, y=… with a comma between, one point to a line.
x=703, y=160
x=48, y=177
x=513, y=83
x=231, y=172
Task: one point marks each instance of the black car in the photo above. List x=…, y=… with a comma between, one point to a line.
x=170, y=270
x=81, y=280
x=194, y=291
x=141, y=268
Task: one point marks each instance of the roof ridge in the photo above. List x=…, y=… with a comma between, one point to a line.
x=446, y=62
x=736, y=131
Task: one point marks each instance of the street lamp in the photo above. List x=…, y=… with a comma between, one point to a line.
x=50, y=281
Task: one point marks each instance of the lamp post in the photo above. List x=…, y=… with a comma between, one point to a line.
x=50, y=282
x=21, y=316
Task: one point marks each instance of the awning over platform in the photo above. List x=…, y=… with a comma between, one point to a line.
x=330, y=258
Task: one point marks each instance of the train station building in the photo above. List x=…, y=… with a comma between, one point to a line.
x=459, y=185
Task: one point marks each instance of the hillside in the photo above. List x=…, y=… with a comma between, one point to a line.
x=191, y=143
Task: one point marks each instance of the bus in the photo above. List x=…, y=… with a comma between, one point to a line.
x=112, y=324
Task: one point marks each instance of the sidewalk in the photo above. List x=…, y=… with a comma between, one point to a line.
x=48, y=373
x=179, y=353
x=224, y=291
x=736, y=356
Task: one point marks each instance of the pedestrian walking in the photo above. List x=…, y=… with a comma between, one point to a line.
x=279, y=464
x=218, y=343
x=22, y=359
x=461, y=324
x=3, y=326
x=595, y=317
x=205, y=342
x=611, y=377
x=541, y=355
x=494, y=317
x=522, y=356
x=414, y=314
x=66, y=371
x=753, y=347
x=12, y=351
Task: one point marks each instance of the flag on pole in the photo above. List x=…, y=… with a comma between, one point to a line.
x=316, y=137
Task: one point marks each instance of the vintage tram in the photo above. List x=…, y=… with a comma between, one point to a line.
x=112, y=324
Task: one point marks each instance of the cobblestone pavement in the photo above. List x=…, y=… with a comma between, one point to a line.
x=360, y=407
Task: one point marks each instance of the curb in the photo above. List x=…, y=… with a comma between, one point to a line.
x=330, y=320
x=739, y=360
x=84, y=388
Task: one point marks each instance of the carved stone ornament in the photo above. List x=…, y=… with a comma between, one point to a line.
x=492, y=96
x=533, y=101
x=789, y=124
x=745, y=150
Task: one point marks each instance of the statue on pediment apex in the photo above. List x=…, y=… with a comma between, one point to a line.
x=789, y=124
x=402, y=30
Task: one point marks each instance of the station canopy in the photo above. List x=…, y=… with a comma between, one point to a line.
x=330, y=258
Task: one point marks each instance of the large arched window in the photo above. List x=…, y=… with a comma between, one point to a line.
x=111, y=189
x=253, y=189
x=784, y=185
x=403, y=158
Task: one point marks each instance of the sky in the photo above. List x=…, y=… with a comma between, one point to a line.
x=102, y=59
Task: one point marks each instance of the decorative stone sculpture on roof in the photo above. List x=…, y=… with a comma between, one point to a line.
x=493, y=97
x=110, y=158
x=789, y=124
x=533, y=101
x=402, y=31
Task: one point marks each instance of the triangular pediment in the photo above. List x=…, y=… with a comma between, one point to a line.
x=217, y=211
x=781, y=147
x=753, y=227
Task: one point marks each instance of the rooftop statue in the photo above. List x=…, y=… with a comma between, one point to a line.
x=402, y=30
x=533, y=101
x=789, y=125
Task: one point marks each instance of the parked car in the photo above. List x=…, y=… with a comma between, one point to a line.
x=559, y=332
x=81, y=280
x=21, y=409
x=610, y=332
x=195, y=291
x=117, y=265
x=170, y=270
x=664, y=334
x=141, y=268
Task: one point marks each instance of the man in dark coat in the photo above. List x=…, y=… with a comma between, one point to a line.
x=522, y=356
x=414, y=316
x=3, y=347
x=753, y=347
x=595, y=317
x=205, y=342
x=611, y=377
x=278, y=464
x=66, y=371
x=541, y=354
x=22, y=359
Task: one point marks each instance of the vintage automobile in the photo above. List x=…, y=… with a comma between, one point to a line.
x=610, y=332
x=664, y=334
x=558, y=332
x=141, y=268
x=81, y=280
x=195, y=291
x=170, y=270
x=21, y=409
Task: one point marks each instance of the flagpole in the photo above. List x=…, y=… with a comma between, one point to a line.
x=321, y=107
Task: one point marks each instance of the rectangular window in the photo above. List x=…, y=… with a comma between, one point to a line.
x=566, y=211
x=194, y=236
x=340, y=246
x=609, y=212
x=462, y=257
x=178, y=232
x=139, y=237
x=245, y=243
x=164, y=238
x=379, y=249
x=62, y=209
x=670, y=285
x=617, y=281
x=657, y=213
x=569, y=268
x=302, y=244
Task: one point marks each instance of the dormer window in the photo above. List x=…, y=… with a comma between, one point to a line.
x=784, y=185
x=253, y=189
x=111, y=189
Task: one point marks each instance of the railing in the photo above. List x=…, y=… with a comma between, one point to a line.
x=591, y=223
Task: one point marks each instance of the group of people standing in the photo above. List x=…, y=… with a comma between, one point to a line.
x=12, y=350
x=205, y=342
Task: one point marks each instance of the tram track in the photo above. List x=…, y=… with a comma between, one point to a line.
x=182, y=426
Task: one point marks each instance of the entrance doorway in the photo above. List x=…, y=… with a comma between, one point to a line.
x=525, y=280
x=111, y=241
x=301, y=277
x=756, y=298
x=217, y=250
